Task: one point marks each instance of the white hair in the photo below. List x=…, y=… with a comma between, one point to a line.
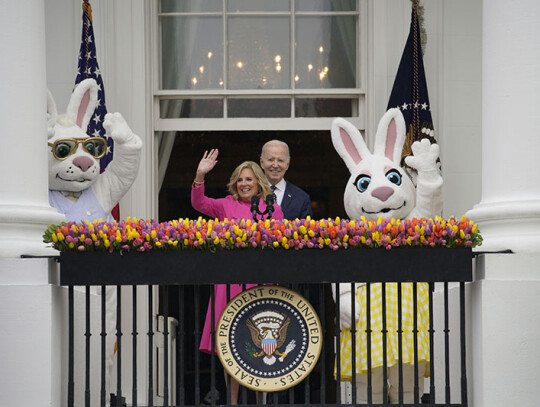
x=276, y=143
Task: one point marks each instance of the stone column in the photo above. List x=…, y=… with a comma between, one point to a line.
x=24, y=206
x=509, y=212
x=34, y=346
x=505, y=324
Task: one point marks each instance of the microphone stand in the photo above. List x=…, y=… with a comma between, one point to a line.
x=268, y=211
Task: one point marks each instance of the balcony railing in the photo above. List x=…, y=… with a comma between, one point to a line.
x=178, y=374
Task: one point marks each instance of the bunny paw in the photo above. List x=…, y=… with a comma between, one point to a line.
x=424, y=156
x=117, y=128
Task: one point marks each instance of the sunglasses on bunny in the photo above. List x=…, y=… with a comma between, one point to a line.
x=64, y=147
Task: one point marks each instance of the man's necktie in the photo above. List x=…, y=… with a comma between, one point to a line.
x=273, y=188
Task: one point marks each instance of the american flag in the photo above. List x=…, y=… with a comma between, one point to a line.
x=88, y=68
x=409, y=92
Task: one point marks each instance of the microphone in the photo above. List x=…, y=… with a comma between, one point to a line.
x=254, y=206
x=270, y=204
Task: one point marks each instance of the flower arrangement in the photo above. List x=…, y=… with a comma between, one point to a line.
x=187, y=234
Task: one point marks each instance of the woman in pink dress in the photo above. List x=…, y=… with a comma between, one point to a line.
x=247, y=180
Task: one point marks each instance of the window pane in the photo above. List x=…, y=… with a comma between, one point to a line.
x=258, y=5
x=325, y=5
x=259, y=53
x=192, y=53
x=190, y=108
x=325, y=52
x=325, y=107
x=259, y=107
x=190, y=6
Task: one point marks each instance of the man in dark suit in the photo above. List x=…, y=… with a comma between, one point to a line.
x=275, y=159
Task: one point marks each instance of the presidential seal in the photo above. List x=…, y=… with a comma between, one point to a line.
x=268, y=338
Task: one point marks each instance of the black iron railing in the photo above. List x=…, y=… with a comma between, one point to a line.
x=185, y=280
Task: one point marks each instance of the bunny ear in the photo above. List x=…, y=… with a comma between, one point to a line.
x=390, y=136
x=349, y=143
x=52, y=114
x=83, y=102
x=51, y=106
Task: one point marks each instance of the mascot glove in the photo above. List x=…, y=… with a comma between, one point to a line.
x=345, y=311
x=424, y=156
x=117, y=128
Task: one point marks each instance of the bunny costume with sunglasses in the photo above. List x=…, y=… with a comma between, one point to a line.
x=76, y=187
x=379, y=187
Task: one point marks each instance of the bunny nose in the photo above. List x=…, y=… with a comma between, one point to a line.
x=83, y=163
x=382, y=193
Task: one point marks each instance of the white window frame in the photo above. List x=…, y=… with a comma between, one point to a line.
x=246, y=124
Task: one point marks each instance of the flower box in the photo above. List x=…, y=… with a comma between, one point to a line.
x=421, y=264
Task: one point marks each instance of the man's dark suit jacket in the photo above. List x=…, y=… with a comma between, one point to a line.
x=296, y=203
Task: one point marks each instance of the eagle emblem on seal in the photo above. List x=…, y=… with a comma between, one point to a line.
x=268, y=331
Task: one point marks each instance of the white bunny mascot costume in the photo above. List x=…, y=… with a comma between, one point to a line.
x=76, y=187
x=379, y=187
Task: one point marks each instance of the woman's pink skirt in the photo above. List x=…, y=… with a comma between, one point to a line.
x=220, y=295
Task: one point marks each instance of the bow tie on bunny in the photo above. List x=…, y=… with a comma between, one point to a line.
x=378, y=186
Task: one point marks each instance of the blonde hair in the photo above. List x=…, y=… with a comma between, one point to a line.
x=264, y=187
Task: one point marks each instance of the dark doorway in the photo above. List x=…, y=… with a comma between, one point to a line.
x=315, y=167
